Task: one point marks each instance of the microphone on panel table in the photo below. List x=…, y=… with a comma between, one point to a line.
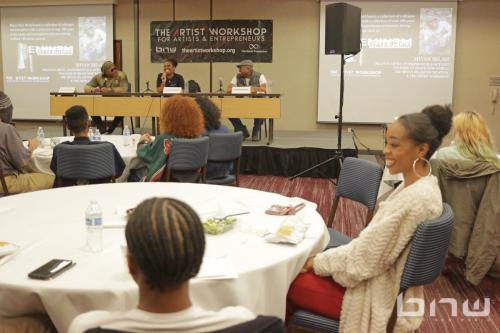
x=221, y=90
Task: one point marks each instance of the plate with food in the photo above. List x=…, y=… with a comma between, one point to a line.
x=7, y=248
x=216, y=226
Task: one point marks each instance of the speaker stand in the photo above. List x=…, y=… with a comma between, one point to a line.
x=338, y=155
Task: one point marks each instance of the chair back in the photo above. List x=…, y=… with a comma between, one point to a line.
x=188, y=156
x=5, y=189
x=359, y=180
x=85, y=162
x=224, y=147
x=428, y=251
x=261, y=324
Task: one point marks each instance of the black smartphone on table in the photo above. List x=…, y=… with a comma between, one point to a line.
x=51, y=269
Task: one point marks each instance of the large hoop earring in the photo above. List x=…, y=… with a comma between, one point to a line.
x=426, y=161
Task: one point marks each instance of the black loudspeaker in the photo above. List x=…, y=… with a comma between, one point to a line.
x=342, y=29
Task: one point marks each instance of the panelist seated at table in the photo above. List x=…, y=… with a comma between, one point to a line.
x=77, y=120
x=165, y=247
x=180, y=117
x=248, y=77
x=14, y=157
x=169, y=78
x=110, y=80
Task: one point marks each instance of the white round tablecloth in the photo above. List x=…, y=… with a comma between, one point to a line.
x=50, y=224
x=41, y=157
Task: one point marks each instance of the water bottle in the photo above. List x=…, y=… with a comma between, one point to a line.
x=186, y=87
x=126, y=136
x=93, y=221
x=91, y=134
x=97, y=135
x=40, y=135
x=269, y=86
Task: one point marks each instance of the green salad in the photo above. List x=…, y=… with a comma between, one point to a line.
x=215, y=227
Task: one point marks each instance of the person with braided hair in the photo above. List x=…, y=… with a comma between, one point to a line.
x=165, y=246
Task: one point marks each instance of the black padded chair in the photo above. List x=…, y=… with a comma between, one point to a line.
x=359, y=180
x=84, y=164
x=261, y=324
x=225, y=148
x=428, y=251
x=187, y=160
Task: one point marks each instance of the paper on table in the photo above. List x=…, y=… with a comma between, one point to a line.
x=217, y=268
x=114, y=221
x=262, y=203
x=4, y=210
x=44, y=151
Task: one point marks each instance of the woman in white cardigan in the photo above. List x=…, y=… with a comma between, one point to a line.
x=358, y=283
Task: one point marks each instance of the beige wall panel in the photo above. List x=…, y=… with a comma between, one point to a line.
x=124, y=31
x=477, y=59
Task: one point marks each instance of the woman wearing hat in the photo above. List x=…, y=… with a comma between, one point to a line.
x=109, y=80
x=247, y=77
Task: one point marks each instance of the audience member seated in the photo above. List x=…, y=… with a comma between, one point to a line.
x=211, y=114
x=165, y=242
x=77, y=120
x=469, y=177
x=358, y=283
x=180, y=117
x=14, y=157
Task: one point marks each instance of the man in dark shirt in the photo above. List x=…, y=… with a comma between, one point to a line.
x=77, y=120
x=169, y=78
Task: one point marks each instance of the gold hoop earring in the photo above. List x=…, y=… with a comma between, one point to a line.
x=426, y=161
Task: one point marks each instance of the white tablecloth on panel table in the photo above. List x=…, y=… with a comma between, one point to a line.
x=50, y=224
x=41, y=157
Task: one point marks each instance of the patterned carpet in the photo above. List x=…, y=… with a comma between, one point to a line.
x=449, y=285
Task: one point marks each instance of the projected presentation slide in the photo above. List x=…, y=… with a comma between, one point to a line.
x=45, y=48
x=406, y=62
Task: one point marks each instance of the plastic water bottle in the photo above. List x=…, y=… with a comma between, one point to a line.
x=93, y=221
x=186, y=87
x=126, y=136
x=269, y=86
x=91, y=134
x=40, y=135
x=97, y=135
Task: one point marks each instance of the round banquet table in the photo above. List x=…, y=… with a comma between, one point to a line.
x=50, y=224
x=41, y=157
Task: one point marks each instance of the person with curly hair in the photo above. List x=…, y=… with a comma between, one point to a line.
x=180, y=117
x=211, y=113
